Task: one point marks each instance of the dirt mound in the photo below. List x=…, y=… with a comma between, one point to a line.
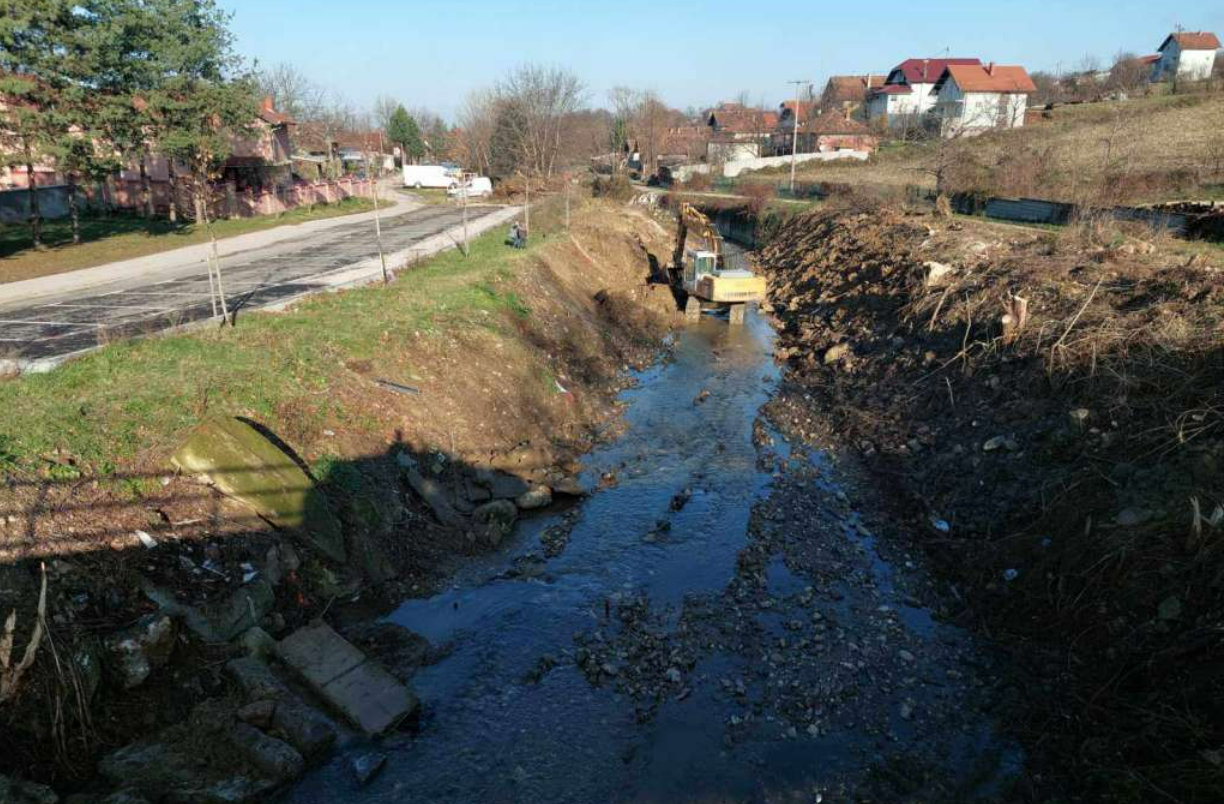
x=1051, y=407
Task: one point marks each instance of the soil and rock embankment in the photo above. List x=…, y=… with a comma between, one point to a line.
x=165, y=595
x=1047, y=408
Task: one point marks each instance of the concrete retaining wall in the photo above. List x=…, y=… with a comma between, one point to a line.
x=733, y=169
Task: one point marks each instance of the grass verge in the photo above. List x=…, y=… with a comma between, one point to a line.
x=142, y=395
x=122, y=237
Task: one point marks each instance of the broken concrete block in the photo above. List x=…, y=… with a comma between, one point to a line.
x=243, y=463
x=224, y=619
x=302, y=726
x=364, y=693
x=273, y=758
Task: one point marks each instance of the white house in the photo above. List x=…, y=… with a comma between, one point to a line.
x=907, y=93
x=1186, y=56
x=972, y=98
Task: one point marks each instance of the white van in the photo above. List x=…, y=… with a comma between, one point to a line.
x=476, y=187
x=435, y=176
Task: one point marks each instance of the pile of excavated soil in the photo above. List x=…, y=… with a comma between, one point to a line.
x=478, y=413
x=1064, y=474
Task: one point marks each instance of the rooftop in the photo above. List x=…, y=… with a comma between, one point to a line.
x=991, y=78
x=1193, y=40
x=925, y=71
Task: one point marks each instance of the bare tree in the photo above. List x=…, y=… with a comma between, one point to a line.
x=292, y=92
x=1127, y=74
x=384, y=108
x=546, y=97
x=474, y=136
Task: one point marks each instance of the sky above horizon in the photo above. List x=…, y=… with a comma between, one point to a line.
x=427, y=54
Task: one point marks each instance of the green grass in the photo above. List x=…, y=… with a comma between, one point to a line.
x=124, y=236
x=142, y=396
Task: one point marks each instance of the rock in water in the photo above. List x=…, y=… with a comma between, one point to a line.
x=243, y=463
x=495, y=520
x=535, y=497
x=366, y=767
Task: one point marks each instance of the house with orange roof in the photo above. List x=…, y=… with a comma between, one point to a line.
x=907, y=94
x=971, y=98
x=1186, y=56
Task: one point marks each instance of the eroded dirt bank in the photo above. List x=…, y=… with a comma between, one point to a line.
x=1062, y=467
x=490, y=404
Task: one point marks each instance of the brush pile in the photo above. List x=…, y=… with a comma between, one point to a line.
x=1051, y=407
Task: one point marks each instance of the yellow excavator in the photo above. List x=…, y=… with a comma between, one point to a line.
x=702, y=272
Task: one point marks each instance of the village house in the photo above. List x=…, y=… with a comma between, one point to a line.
x=820, y=132
x=737, y=132
x=263, y=158
x=908, y=92
x=1186, y=56
x=849, y=93
x=357, y=148
x=971, y=98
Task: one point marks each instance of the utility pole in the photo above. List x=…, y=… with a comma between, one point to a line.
x=795, y=132
x=466, y=178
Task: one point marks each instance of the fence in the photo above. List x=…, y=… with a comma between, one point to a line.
x=226, y=201
x=1207, y=224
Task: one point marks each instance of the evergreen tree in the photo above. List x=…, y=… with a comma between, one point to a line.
x=506, y=143
x=402, y=130
x=40, y=48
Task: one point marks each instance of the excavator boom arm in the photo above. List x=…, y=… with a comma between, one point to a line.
x=692, y=218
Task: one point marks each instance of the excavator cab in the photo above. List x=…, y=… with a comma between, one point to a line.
x=699, y=264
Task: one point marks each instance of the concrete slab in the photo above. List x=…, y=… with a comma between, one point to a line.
x=354, y=686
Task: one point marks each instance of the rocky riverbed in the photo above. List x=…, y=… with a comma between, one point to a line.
x=725, y=618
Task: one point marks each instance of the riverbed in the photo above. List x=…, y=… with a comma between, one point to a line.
x=718, y=621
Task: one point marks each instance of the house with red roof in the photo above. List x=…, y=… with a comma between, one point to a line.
x=820, y=131
x=907, y=93
x=971, y=98
x=737, y=132
x=1186, y=56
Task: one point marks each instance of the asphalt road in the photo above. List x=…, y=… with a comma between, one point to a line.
x=55, y=326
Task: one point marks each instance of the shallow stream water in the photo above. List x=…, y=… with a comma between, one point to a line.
x=497, y=729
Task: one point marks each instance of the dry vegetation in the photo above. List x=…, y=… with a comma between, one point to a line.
x=1142, y=150
x=1065, y=470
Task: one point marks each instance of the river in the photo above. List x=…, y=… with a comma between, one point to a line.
x=719, y=626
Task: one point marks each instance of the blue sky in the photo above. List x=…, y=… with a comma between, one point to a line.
x=432, y=52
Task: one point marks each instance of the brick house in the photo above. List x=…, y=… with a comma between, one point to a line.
x=265, y=157
x=737, y=132
x=822, y=132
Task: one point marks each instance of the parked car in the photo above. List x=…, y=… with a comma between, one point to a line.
x=476, y=187
x=435, y=176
